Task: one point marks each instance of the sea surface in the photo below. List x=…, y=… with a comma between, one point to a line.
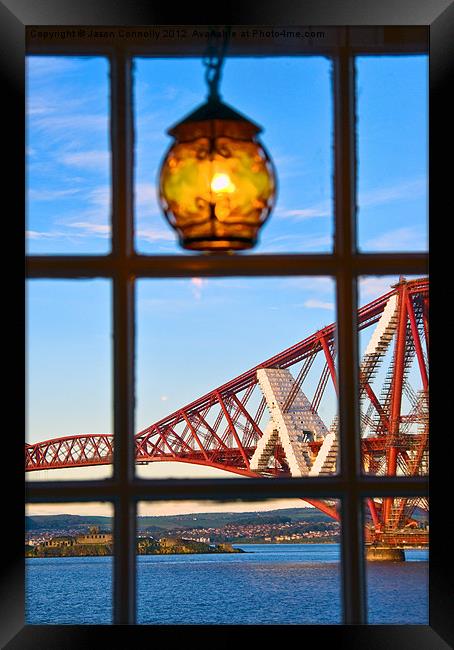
x=270, y=584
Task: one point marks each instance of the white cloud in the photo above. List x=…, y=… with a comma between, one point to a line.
x=89, y=222
x=147, y=207
x=49, y=66
x=67, y=127
x=291, y=166
x=87, y=228
x=373, y=286
x=50, y=195
x=80, y=230
x=154, y=234
x=146, y=200
x=313, y=303
x=92, y=221
x=87, y=159
x=295, y=242
x=37, y=105
x=299, y=214
x=51, y=234
x=399, y=191
x=403, y=239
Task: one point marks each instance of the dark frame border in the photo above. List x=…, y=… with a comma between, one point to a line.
x=12, y=44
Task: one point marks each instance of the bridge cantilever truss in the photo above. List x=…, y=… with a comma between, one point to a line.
x=263, y=423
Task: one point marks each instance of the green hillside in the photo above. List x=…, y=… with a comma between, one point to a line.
x=163, y=523
x=63, y=522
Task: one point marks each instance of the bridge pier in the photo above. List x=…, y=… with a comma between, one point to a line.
x=384, y=554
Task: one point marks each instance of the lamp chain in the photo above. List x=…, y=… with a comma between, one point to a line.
x=213, y=61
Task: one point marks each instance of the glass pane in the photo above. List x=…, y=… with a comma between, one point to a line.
x=69, y=395
x=68, y=566
x=68, y=155
x=236, y=378
x=392, y=113
x=398, y=561
x=294, y=107
x=238, y=563
x=394, y=375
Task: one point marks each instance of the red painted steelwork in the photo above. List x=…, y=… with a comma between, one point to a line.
x=221, y=429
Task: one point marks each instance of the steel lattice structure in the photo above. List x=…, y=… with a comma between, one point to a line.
x=263, y=423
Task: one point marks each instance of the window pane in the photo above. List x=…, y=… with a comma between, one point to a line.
x=394, y=384
x=239, y=563
x=236, y=376
x=68, y=566
x=392, y=111
x=69, y=398
x=294, y=107
x=398, y=562
x=68, y=155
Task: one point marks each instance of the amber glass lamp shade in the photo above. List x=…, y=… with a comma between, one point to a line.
x=217, y=184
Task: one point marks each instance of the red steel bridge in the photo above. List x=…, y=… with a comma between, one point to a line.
x=267, y=422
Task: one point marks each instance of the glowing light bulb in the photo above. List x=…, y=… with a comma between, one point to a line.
x=222, y=183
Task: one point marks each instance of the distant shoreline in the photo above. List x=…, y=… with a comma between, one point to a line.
x=52, y=557
x=213, y=550
x=69, y=547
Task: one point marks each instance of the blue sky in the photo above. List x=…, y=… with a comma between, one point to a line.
x=68, y=197
x=194, y=334
x=392, y=153
x=68, y=177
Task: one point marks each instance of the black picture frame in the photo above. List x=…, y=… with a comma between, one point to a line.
x=438, y=15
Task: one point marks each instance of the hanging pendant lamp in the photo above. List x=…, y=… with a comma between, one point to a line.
x=217, y=184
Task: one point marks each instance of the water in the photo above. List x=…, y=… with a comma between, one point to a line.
x=272, y=584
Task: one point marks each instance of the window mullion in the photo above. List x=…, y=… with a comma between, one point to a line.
x=124, y=585
x=352, y=549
